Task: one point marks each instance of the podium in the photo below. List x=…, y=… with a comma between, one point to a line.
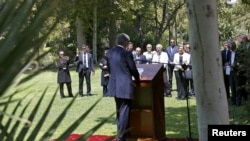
x=147, y=118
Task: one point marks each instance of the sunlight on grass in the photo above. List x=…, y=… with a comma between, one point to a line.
x=176, y=116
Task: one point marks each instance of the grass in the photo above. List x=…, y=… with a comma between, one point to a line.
x=175, y=110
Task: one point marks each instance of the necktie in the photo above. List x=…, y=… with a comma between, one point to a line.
x=180, y=60
x=84, y=60
x=138, y=59
x=226, y=54
x=159, y=57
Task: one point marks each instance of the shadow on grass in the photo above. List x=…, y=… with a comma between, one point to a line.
x=177, y=122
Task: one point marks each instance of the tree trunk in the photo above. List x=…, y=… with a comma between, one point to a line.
x=95, y=32
x=112, y=32
x=212, y=106
x=79, y=33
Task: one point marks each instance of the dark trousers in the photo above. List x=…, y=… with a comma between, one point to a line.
x=104, y=90
x=84, y=74
x=170, y=74
x=62, y=89
x=167, y=89
x=190, y=86
x=234, y=82
x=181, y=85
x=227, y=84
x=123, y=108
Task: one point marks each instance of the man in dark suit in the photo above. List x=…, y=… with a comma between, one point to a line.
x=85, y=65
x=171, y=50
x=105, y=73
x=226, y=55
x=139, y=58
x=122, y=68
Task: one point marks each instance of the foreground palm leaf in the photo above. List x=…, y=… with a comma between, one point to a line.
x=23, y=30
x=20, y=26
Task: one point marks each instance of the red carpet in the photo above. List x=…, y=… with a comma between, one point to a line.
x=74, y=137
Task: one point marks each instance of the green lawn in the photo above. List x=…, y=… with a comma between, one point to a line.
x=175, y=110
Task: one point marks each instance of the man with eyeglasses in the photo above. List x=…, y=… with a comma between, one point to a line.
x=85, y=65
x=149, y=53
x=171, y=50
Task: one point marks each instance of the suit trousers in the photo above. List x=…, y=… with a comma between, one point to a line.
x=123, y=107
x=170, y=74
x=181, y=85
x=62, y=89
x=84, y=74
x=227, y=83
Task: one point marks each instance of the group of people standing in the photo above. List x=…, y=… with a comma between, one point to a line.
x=174, y=58
x=118, y=66
x=234, y=62
x=84, y=68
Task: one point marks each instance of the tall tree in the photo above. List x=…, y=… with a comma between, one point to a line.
x=164, y=16
x=212, y=106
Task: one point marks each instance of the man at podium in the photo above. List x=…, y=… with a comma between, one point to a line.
x=122, y=68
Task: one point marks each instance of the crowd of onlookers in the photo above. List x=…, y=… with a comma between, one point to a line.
x=118, y=66
x=235, y=58
x=176, y=60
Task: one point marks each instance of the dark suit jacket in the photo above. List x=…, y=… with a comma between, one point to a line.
x=79, y=60
x=226, y=56
x=142, y=59
x=63, y=75
x=171, y=55
x=105, y=71
x=122, y=68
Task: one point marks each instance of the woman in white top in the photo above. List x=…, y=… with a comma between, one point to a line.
x=181, y=59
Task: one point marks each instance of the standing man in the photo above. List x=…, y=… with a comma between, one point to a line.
x=226, y=55
x=162, y=57
x=130, y=48
x=85, y=65
x=171, y=50
x=105, y=73
x=149, y=53
x=122, y=68
x=139, y=57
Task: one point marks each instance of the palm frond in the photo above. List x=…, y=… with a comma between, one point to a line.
x=42, y=119
x=20, y=32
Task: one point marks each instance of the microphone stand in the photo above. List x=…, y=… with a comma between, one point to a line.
x=188, y=112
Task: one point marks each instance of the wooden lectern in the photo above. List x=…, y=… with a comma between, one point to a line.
x=147, y=119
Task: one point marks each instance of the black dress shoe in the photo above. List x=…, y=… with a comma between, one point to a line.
x=81, y=95
x=62, y=97
x=89, y=95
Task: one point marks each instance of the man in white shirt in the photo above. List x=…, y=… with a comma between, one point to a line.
x=149, y=53
x=162, y=57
